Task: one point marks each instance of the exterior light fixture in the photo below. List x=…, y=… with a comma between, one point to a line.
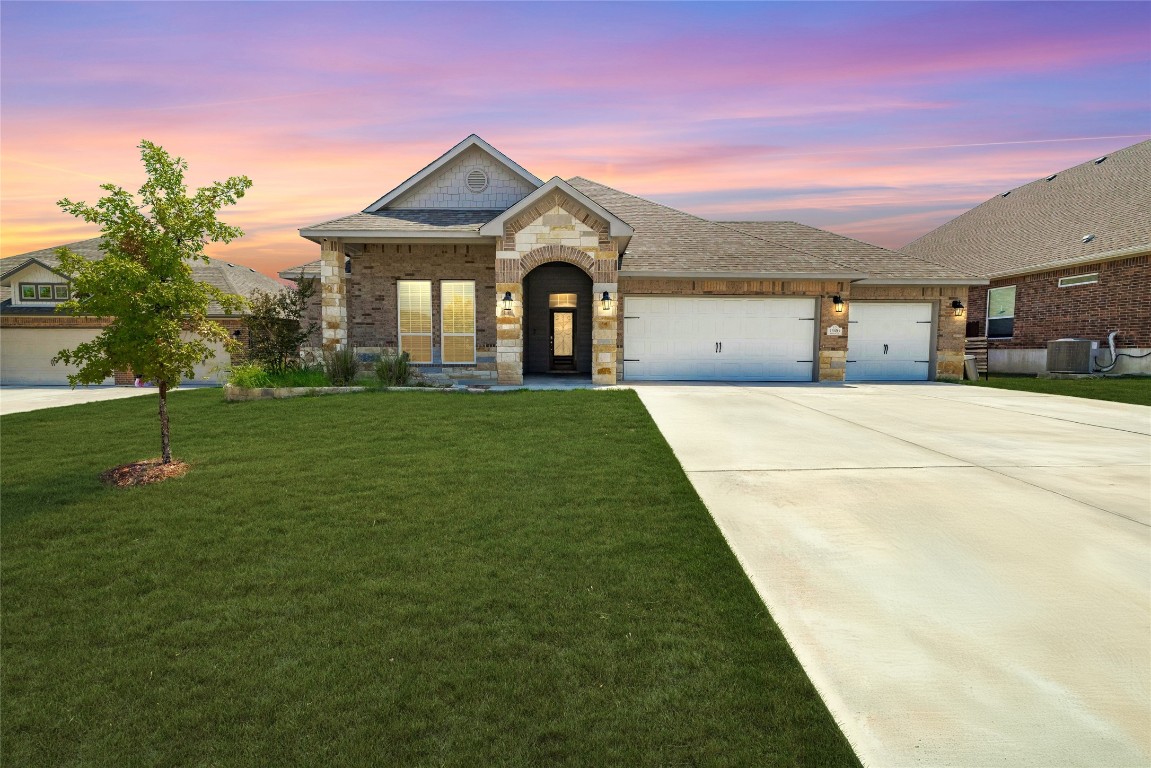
x=605, y=302
x=507, y=302
x=837, y=301
x=957, y=305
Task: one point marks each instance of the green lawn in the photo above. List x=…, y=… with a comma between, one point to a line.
x=382, y=579
x=1125, y=389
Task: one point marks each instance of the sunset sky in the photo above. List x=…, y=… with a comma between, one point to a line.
x=876, y=120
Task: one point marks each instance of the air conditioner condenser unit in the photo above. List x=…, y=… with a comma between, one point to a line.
x=1071, y=355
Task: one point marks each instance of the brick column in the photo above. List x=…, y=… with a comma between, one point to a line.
x=509, y=328
x=333, y=295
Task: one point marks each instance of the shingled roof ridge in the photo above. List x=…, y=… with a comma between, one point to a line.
x=1037, y=183
x=792, y=247
x=712, y=222
x=643, y=199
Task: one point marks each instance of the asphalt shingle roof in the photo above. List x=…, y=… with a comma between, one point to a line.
x=1044, y=222
x=230, y=278
x=413, y=220
x=667, y=240
x=877, y=262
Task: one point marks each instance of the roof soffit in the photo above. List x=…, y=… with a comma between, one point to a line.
x=443, y=160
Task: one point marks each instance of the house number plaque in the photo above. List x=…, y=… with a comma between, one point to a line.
x=834, y=330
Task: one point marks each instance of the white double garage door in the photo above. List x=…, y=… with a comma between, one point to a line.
x=697, y=338
x=26, y=356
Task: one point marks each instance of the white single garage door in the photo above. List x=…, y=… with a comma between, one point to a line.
x=889, y=342
x=696, y=338
x=26, y=354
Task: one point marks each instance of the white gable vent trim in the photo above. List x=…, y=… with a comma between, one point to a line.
x=477, y=180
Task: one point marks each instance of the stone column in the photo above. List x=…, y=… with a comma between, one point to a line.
x=509, y=328
x=832, y=349
x=333, y=295
x=951, y=336
x=604, y=361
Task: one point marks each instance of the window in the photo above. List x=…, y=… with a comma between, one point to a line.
x=415, y=303
x=1001, y=312
x=43, y=291
x=561, y=300
x=458, y=321
x=1068, y=282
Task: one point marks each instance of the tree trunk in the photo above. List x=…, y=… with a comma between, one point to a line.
x=165, y=437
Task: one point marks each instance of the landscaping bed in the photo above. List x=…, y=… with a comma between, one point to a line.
x=522, y=579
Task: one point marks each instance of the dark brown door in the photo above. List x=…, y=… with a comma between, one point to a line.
x=563, y=340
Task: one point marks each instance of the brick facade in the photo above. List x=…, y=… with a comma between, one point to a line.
x=373, y=315
x=1045, y=312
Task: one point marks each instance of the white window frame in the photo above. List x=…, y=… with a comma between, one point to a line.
x=400, y=322
x=444, y=334
x=989, y=318
x=1077, y=280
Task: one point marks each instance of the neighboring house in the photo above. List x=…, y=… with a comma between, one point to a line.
x=478, y=269
x=32, y=332
x=1067, y=257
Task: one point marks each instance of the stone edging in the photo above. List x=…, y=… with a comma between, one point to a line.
x=235, y=394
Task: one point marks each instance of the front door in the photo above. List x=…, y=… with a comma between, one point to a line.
x=563, y=340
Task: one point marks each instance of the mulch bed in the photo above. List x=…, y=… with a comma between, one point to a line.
x=143, y=473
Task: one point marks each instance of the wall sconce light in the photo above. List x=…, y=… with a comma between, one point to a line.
x=957, y=305
x=837, y=301
x=507, y=303
x=605, y=302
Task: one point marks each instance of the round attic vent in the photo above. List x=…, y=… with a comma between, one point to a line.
x=477, y=180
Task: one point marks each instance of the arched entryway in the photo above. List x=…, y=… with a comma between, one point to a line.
x=557, y=319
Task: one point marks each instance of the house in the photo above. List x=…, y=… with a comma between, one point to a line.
x=32, y=332
x=1066, y=255
x=480, y=270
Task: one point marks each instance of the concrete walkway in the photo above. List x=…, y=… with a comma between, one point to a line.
x=965, y=573
x=20, y=399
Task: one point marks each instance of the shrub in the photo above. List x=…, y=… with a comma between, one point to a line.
x=249, y=376
x=394, y=370
x=341, y=366
x=275, y=330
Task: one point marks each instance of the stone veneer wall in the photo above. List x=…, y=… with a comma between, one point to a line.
x=557, y=228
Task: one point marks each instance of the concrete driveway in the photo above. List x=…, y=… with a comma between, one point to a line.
x=20, y=399
x=964, y=573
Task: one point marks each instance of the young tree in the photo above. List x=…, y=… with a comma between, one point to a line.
x=275, y=330
x=159, y=325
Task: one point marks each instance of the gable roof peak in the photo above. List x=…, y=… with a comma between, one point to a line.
x=472, y=140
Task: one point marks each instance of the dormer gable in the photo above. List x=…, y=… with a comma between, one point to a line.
x=471, y=175
x=35, y=284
